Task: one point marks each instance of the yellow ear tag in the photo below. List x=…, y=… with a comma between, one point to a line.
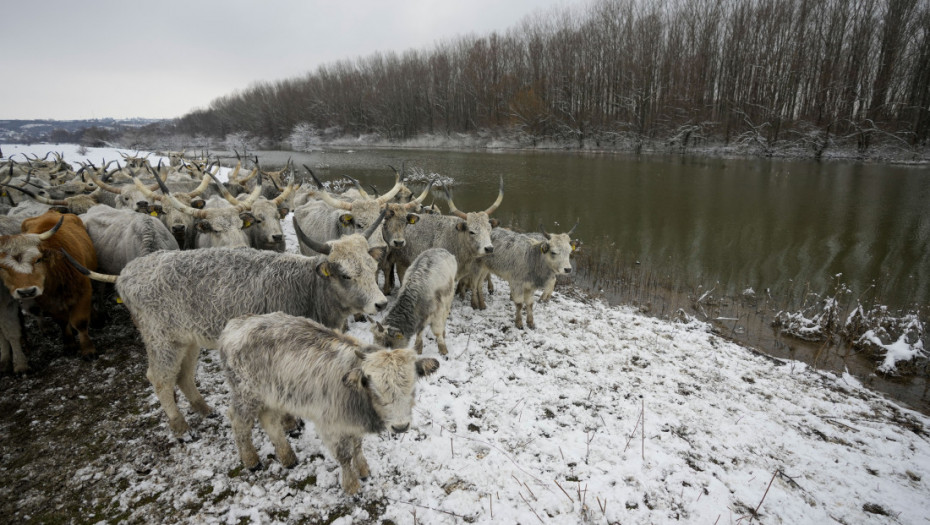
x=411, y=220
x=119, y=300
x=246, y=224
x=3, y=194
x=325, y=272
x=154, y=214
x=399, y=336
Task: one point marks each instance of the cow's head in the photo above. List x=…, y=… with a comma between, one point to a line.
x=557, y=250
x=476, y=226
x=388, y=378
x=25, y=261
x=389, y=336
x=349, y=269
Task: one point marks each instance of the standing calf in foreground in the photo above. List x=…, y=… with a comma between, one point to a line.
x=527, y=264
x=425, y=298
x=278, y=364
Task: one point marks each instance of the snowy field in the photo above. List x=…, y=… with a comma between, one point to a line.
x=600, y=415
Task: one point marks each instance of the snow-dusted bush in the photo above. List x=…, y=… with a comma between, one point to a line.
x=891, y=338
x=814, y=324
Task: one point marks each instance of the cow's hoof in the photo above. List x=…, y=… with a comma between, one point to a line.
x=256, y=467
x=201, y=407
x=188, y=437
x=531, y=325
x=89, y=356
x=289, y=461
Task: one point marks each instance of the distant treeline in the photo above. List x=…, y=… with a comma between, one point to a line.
x=758, y=72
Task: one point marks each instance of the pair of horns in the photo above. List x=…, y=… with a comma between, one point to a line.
x=455, y=211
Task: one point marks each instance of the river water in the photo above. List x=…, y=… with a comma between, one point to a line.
x=748, y=237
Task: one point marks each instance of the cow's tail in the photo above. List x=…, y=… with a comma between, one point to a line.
x=92, y=274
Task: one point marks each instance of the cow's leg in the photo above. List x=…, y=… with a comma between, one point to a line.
x=271, y=422
x=517, y=299
x=528, y=301
x=418, y=345
x=477, y=294
x=548, y=288
x=11, y=338
x=387, y=268
x=164, y=367
x=79, y=323
x=242, y=419
x=342, y=446
x=293, y=426
x=187, y=380
x=361, y=464
x=438, y=326
x=67, y=335
x=490, y=284
x=401, y=271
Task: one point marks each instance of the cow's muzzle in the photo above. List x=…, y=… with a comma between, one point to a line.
x=27, y=293
x=400, y=429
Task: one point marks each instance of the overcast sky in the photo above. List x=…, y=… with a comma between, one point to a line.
x=68, y=59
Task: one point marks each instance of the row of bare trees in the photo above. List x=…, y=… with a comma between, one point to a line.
x=760, y=72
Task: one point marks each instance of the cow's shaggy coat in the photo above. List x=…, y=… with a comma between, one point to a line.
x=277, y=364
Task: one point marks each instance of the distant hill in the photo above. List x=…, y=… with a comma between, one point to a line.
x=63, y=130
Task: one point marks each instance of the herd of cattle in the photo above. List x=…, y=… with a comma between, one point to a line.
x=202, y=264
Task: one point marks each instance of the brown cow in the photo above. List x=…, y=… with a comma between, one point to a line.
x=35, y=271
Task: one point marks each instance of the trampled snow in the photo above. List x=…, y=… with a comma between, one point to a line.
x=599, y=415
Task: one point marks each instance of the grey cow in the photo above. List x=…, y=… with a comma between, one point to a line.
x=467, y=236
x=181, y=300
x=120, y=236
x=527, y=264
x=425, y=298
x=278, y=364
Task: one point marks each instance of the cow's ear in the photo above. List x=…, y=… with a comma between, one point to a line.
x=203, y=226
x=412, y=218
x=346, y=219
x=494, y=223
x=544, y=247
x=323, y=270
x=356, y=379
x=426, y=366
x=376, y=253
x=283, y=211
x=198, y=204
x=247, y=219
x=462, y=226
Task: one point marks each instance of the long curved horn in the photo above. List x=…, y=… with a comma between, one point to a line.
x=335, y=203
x=311, y=243
x=319, y=184
x=542, y=229
x=374, y=226
x=104, y=185
x=500, y=198
x=392, y=192
x=235, y=171
x=223, y=191
x=256, y=193
x=573, y=228
x=452, y=209
x=422, y=197
x=249, y=177
x=44, y=236
x=285, y=194
x=35, y=196
x=358, y=186
x=204, y=184
x=158, y=182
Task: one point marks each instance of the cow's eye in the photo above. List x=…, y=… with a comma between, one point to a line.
x=346, y=277
x=471, y=232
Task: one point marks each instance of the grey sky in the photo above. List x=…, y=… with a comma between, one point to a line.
x=68, y=59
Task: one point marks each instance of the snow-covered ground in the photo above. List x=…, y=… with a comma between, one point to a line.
x=599, y=415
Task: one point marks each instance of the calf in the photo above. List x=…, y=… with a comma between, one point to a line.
x=424, y=298
x=278, y=364
x=527, y=264
x=35, y=272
